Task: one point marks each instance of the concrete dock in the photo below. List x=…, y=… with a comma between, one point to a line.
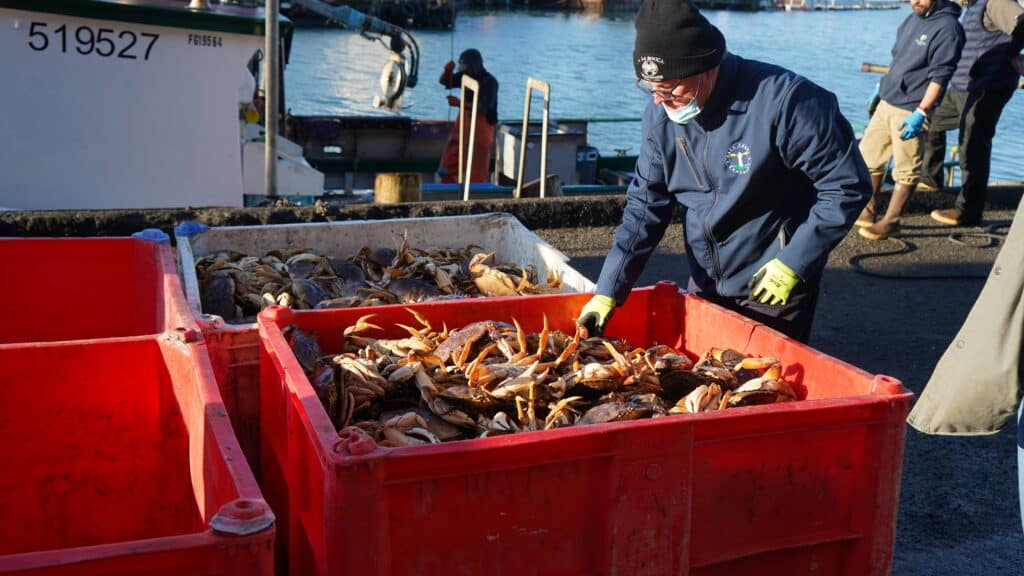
x=959, y=510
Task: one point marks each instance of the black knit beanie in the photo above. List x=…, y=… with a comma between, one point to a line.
x=472, y=59
x=674, y=40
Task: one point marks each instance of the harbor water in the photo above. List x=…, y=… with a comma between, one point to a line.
x=586, y=58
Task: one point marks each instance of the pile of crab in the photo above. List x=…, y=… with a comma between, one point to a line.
x=491, y=378
x=236, y=286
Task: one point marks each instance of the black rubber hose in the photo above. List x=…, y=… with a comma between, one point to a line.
x=903, y=247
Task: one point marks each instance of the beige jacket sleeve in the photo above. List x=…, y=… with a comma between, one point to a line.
x=976, y=386
x=1002, y=15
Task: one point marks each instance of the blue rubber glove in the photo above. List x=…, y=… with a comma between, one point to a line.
x=772, y=283
x=912, y=125
x=595, y=314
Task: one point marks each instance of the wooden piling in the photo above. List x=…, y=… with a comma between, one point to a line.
x=397, y=187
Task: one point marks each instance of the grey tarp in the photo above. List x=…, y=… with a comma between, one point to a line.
x=976, y=386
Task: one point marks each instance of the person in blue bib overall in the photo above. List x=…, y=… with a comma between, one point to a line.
x=986, y=77
x=765, y=166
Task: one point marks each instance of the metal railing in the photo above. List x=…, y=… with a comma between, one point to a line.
x=531, y=85
x=474, y=86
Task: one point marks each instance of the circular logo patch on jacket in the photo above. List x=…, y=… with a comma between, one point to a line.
x=737, y=159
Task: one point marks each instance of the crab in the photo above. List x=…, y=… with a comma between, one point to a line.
x=430, y=395
x=397, y=347
x=499, y=425
x=304, y=345
x=524, y=385
x=603, y=378
x=616, y=412
x=409, y=429
x=323, y=381
x=360, y=381
x=432, y=266
x=491, y=281
x=413, y=290
x=765, y=389
x=307, y=293
x=306, y=265
x=374, y=262
x=703, y=398
x=218, y=295
x=472, y=401
x=562, y=413
x=552, y=286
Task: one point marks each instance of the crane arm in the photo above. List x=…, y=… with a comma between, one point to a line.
x=349, y=17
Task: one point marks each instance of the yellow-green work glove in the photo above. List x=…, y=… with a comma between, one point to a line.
x=772, y=283
x=595, y=314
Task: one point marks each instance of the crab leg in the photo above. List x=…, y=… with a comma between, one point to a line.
x=621, y=364
x=527, y=360
x=519, y=408
x=567, y=353
x=524, y=281
x=520, y=337
x=506, y=349
x=556, y=413
x=460, y=362
x=531, y=412
x=544, y=333
x=350, y=408
x=471, y=369
x=432, y=360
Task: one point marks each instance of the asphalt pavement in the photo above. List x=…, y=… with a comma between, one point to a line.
x=892, y=308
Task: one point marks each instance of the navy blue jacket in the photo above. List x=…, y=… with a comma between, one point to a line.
x=769, y=153
x=926, y=50
x=488, y=92
x=984, y=62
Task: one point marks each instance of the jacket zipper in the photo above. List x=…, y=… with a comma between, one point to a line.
x=693, y=165
x=708, y=235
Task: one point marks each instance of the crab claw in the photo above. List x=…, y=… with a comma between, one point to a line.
x=753, y=363
x=422, y=320
x=412, y=331
x=478, y=259
x=355, y=441
x=361, y=325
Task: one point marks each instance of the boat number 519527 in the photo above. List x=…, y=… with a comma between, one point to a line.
x=86, y=40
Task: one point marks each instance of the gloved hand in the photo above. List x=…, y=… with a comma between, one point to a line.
x=772, y=283
x=446, y=75
x=595, y=314
x=453, y=101
x=912, y=125
x=873, y=102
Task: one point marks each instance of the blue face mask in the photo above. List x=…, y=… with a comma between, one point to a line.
x=684, y=114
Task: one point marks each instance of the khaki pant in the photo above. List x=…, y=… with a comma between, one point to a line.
x=882, y=141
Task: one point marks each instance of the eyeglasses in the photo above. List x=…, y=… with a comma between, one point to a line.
x=664, y=94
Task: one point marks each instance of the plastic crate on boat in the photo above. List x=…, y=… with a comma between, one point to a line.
x=793, y=488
